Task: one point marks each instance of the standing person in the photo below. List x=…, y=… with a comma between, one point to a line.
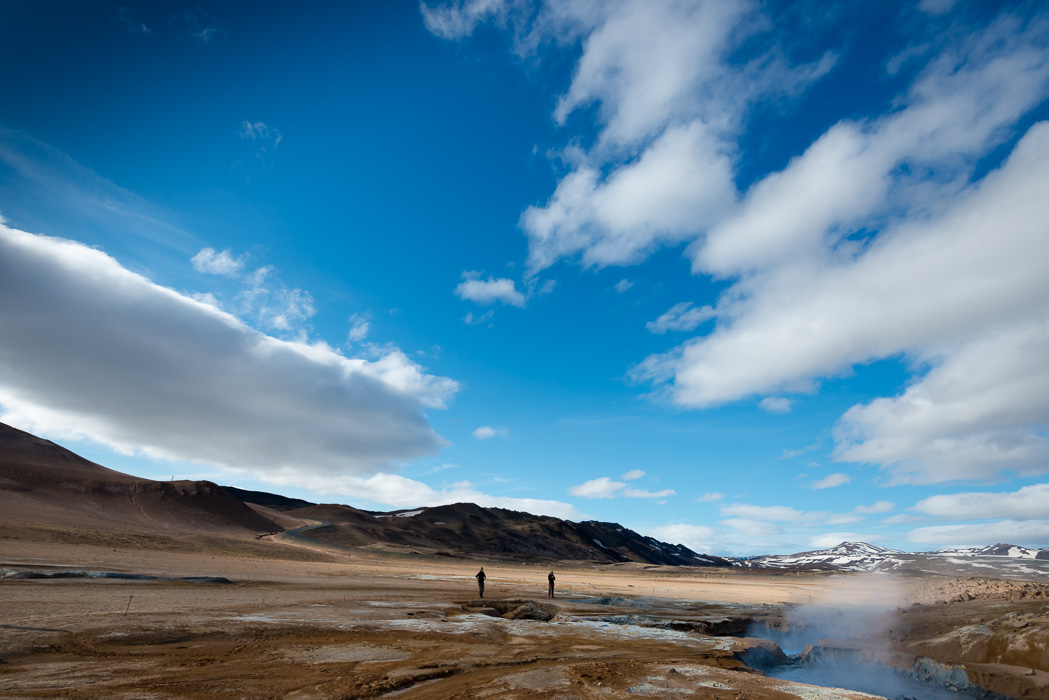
x=551, y=578
x=480, y=582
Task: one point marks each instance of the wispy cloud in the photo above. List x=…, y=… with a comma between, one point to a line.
x=832, y=480
x=605, y=487
x=487, y=432
x=879, y=507
x=680, y=317
x=775, y=404
x=360, y=325
x=132, y=25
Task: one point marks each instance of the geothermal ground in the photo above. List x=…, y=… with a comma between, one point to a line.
x=240, y=618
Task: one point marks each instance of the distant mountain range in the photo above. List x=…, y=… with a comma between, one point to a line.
x=45, y=485
x=861, y=556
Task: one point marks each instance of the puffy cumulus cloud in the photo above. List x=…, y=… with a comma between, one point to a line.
x=92, y=349
x=604, y=487
x=1026, y=533
x=489, y=291
x=952, y=280
x=396, y=491
x=982, y=409
x=670, y=95
x=698, y=538
x=831, y=480
x=881, y=238
x=681, y=183
x=487, y=432
x=775, y=404
x=1028, y=503
x=224, y=263
x=680, y=317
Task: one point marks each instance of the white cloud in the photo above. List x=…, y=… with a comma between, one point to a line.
x=142, y=368
x=1027, y=533
x=880, y=239
x=207, y=260
x=1028, y=503
x=259, y=132
x=680, y=317
x=775, y=404
x=698, y=538
x=602, y=487
x=360, y=325
x=487, y=432
x=952, y=278
x=710, y=497
x=878, y=507
x=461, y=17
x=831, y=480
x=488, y=292
x=471, y=320
x=679, y=185
x=641, y=493
x=623, y=285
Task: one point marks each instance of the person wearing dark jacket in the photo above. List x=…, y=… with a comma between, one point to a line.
x=480, y=582
x=551, y=579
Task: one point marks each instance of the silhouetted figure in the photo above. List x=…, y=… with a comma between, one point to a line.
x=551, y=578
x=480, y=582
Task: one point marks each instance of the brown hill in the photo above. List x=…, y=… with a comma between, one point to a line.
x=468, y=530
x=42, y=483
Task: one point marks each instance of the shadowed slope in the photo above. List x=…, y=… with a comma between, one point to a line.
x=44, y=484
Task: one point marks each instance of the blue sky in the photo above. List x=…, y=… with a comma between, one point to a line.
x=753, y=277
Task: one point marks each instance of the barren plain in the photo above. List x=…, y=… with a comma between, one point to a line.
x=229, y=617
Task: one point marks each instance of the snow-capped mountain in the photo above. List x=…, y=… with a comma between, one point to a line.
x=847, y=556
x=864, y=557
x=995, y=550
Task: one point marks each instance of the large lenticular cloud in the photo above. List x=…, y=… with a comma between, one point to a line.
x=89, y=348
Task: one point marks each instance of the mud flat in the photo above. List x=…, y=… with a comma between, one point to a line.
x=267, y=620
